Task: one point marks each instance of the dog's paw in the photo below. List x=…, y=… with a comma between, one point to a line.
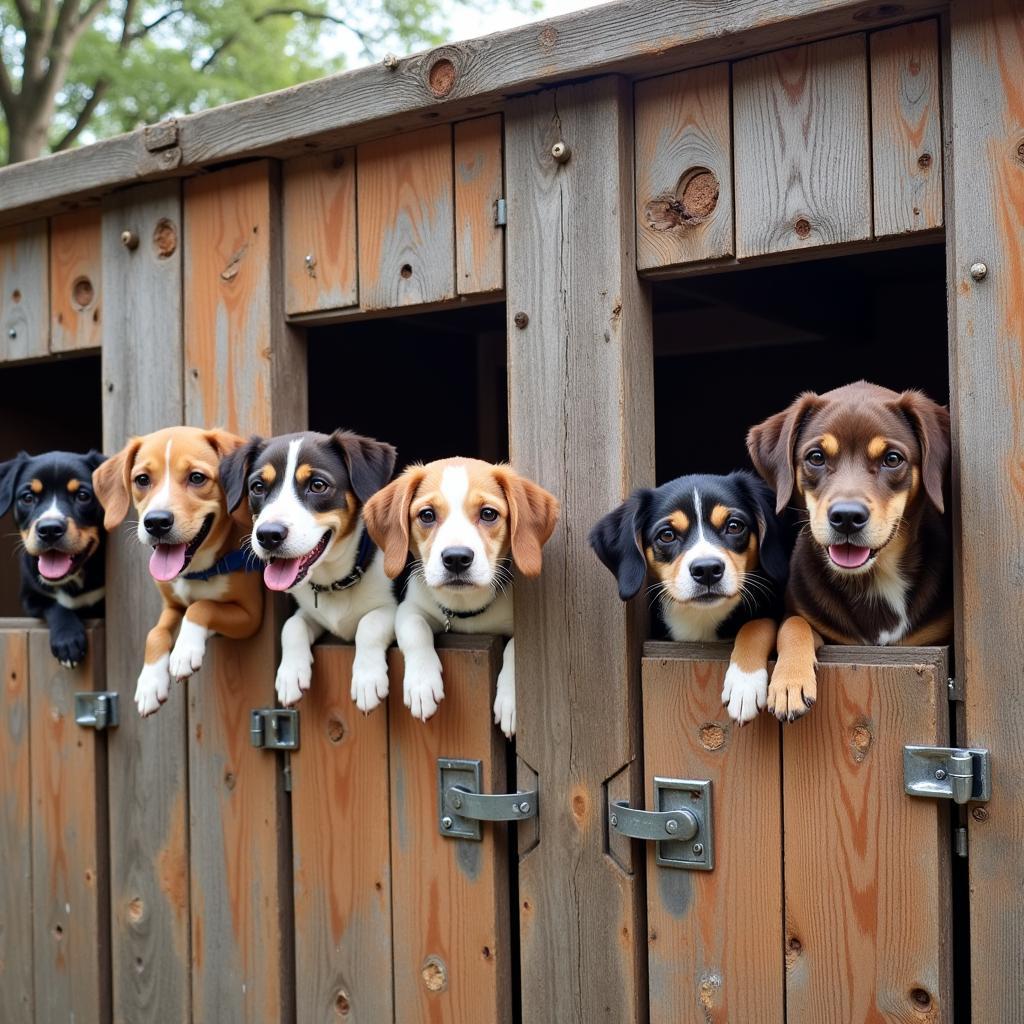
x=189, y=650
x=369, y=679
x=153, y=687
x=744, y=693
x=69, y=648
x=294, y=675
x=424, y=688
x=792, y=691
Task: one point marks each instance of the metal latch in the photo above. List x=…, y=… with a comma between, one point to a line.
x=462, y=807
x=274, y=728
x=97, y=709
x=680, y=825
x=960, y=774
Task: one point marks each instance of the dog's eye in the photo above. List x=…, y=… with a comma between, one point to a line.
x=666, y=536
x=82, y=496
x=257, y=487
x=26, y=497
x=815, y=457
x=735, y=527
x=426, y=516
x=142, y=480
x=893, y=460
x=197, y=479
x=318, y=485
x=488, y=514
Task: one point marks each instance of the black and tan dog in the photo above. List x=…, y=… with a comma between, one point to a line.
x=718, y=554
x=872, y=564
x=59, y=520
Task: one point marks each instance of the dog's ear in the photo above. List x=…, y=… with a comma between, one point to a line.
x=773, y=549
x=931, y=425
x=9, y=472
x=616, y=540
x=533, y=514
x=111, y=480
x=223, y=442
x=386, y=516
x=771, y=445
x=370, y=463
x=234, y=470
x=93, y=458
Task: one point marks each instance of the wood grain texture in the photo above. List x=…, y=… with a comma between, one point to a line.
x=985, y=118
x=713, y=937
x=406, y=220
x=17, y=1004
x=24, y=291
x=70, y=881
x=584, y=362
x=479, y=183
x=868, y=913
x=319, y=196
x=802, y=147
x=683, y=129
x=450, y=897
x=906, y=129
x=142, y=391
x=76, y=281
x=341, y=845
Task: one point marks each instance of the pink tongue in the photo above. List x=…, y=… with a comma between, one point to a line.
x=167, y=561
x=849, y=556
x=54, y=564
x=280, y=574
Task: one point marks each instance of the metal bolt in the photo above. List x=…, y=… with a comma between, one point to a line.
x=524, y=807
x=561, y=152
x=12, y=332
x=979, y=271
x=129, y=239
x=672, y=826
x=940, y=773
x=390, y=61
x=456, y=801
x=310, y=261
x=446, y=822
x=521, y=319
x=614, y=820
x=698, y=849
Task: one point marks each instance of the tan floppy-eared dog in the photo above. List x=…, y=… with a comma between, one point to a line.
x=207, y=582
x=463, y=521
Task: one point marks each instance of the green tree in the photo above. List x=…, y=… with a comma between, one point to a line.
x=71, y=70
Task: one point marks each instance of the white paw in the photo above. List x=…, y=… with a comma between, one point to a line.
x=424, y=689
x=189, y=650
x=505, y=710
x=369, y=679
x=153, y=687
x=294, y=675
x=744, y=693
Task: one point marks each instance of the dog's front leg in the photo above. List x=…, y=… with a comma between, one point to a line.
x=505, y=697
x=374, y=633
x=745, y=690
x=423, y=688
x=154, y=680
x=794, y=686
x=295, y=672
x=202, y=620
x=67, y=635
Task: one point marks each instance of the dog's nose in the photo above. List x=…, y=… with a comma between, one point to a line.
x=271, y=535
x=158, y=524
x=457, y=559
x=706, y=571
x=848, y=516
x=51, y=530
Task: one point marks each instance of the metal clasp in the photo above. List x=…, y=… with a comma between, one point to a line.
x=274, y=728
x=462, y=807
x=960, y=774
x=97, y=709
x=680, y=825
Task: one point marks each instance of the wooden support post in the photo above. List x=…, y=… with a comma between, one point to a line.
x=76, y=291
x=25, y=291
x=582, y=424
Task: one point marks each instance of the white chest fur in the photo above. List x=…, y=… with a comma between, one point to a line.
x=189, y=591
x=495, y=620
x=339, y=611
x=694, y=624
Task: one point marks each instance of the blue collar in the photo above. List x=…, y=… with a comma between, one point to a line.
x=364, y=555
x=233, y=561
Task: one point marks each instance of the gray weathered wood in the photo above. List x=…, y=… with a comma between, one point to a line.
x=985, y=121
x=584, y=365
x=683, y=129
x=802, y=147
x=641, y=38
x=25, y=291
x=142, y=391
x=906, y=129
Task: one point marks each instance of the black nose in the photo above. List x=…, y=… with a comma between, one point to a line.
x=271, y=535
x=51, y=529
x=158, y=524
x=457, y=559
x=707, y=570
x=848, y=516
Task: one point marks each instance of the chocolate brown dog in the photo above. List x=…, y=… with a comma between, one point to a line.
x=872, y=563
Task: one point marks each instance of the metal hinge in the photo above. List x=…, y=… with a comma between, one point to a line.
x=462, y=807
x=97, y=709
x=500, y=213
x=274, y=728
x=960, y=841
x=960, y=774
x=680, y=825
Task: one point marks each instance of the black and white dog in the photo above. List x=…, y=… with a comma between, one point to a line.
x=305, y=495
x=718, y=555
x=59, y=520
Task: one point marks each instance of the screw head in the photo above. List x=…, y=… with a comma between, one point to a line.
x=456, y=801
x=614, y=820
x=524, y=807
x=446, y=822
x=940, y=773
x=129, y=239
x=12, y=332
x=672, y=826
x=310, y=260
x=390, y=61
x=560, y=152
x=979, y=271
x=698, y=849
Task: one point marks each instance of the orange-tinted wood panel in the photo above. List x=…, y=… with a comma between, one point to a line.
x=76, y=297
x=24, y=291
x=479, y=243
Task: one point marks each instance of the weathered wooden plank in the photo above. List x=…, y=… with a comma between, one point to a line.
x=70, y=880
x=868, y=914
x=320, y=232
x=684, y=168
x=635, y=38
x=406, y=220
x=341, y=846
x=450, y=897
x=802, y=147
x=17, y=1005
x=143, y=391
x=906, y=129
x=985, y=121
x=583, y=361
x=76, y=292
x=24, y=291
x=479, y=183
